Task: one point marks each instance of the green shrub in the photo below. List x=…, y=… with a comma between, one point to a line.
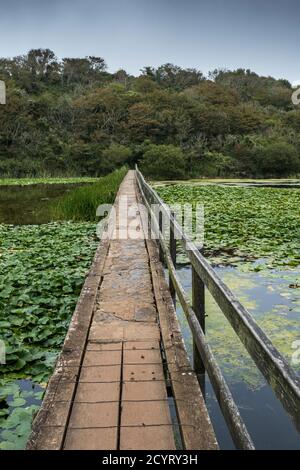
x=163, y=162
x=277, y=159
x=115, y=156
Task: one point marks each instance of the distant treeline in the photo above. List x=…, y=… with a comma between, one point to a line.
x=72, y=117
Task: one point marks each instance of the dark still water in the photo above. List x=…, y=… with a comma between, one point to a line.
x=276, y=307
x=22, y=205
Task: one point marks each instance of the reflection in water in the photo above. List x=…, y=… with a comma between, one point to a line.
x=21, y=205
x=276, y=307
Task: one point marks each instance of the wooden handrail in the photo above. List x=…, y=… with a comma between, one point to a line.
x=280, y=376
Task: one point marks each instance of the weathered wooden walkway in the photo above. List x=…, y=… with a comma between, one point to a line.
x=123, y=366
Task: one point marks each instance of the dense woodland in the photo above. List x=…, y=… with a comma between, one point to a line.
x=72, y=117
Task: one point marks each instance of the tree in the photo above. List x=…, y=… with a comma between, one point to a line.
x=277, y=159
x=122, y=77
x=163, y=162
x=142, y=122
x=41, y=62
x=173, y=76
x=213, y=94
x=32, y=71
x=250, y=86
x=82, y=70
x=115, y=156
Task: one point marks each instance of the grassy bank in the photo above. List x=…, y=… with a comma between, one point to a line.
x=81, y=204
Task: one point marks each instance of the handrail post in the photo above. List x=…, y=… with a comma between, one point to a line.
x=160, y=224
x=173, y=247
x=198, y=299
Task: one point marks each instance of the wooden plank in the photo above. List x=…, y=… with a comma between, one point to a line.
x=173, y=253
x=198, y=295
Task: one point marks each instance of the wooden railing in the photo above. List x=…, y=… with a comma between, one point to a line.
x=277, y=372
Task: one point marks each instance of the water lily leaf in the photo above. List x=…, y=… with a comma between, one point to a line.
x=17, y=402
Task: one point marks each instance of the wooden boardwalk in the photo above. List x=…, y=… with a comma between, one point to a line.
x=123, y=380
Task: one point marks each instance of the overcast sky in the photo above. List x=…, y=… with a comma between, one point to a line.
x=263, y=35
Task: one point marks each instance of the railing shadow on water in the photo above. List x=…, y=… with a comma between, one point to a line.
x=274, y=367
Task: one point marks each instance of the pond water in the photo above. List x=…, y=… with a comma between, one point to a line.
x=276, y=307
x=23, y=398
x=21, y=205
